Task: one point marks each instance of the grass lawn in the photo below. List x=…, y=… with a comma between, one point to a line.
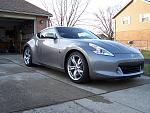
x=147, y=69
x=146, y=53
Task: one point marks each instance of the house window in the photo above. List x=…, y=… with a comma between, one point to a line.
x=145, y=17
x=125, y=20
x=147, y=1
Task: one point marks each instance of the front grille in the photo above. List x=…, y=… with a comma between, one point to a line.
x=131, y=67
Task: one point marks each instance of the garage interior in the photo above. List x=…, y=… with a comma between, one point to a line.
x=14, y=33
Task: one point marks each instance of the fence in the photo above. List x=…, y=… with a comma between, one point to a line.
x=140, y=44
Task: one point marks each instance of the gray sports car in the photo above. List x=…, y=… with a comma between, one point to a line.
x=82, y=55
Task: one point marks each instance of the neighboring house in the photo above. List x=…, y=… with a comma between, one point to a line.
x=19, y=21
x=132, y=23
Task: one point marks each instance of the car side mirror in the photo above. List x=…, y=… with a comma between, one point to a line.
x=50, y=35
x=38, y=35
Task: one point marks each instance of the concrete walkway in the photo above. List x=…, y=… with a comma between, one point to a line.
x=43, y=90
x=132, y=100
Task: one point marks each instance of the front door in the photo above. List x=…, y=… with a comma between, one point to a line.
x=48, y=49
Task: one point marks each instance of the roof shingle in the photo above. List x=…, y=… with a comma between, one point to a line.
x=22, y=6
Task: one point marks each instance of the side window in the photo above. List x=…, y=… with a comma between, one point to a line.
x=145, y=17
x=126, y=20
x=147, y=1
x=45, y=32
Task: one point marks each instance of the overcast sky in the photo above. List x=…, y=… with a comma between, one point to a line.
x=94, y=4
x=93, y=7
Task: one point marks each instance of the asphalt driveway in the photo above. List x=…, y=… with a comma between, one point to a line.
x=39, y=90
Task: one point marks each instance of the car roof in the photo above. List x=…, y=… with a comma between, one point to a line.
x=58, y=27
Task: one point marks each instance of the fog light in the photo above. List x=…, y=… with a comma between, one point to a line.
x=119, y=71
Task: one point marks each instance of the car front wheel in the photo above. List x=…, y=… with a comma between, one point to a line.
x=77, y=68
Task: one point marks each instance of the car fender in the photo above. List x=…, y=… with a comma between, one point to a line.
x=32, y=44
x=80, y=49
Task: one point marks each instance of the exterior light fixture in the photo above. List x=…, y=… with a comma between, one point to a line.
x=41, y=21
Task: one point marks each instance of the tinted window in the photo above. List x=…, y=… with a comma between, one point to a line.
x=75, y=33
x=44, y=32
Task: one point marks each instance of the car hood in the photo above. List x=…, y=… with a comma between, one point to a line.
x=112, y=46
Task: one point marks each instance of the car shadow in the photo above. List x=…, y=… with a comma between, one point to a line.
x=108, y=85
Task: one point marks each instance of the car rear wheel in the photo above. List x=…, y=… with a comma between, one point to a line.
x=27, y=56
x=77, y=68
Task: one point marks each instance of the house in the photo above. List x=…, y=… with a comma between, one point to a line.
x=19, y=21
x=132, y=24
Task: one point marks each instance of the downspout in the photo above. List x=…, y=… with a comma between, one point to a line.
x=115, y=30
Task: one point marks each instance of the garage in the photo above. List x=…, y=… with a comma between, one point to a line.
x=14, y=33
x=19, y=21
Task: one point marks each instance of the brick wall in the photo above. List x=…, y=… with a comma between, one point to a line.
x=141, y=38
x=41, y=23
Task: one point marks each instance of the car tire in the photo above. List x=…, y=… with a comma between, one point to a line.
x=77, y=68
x=27, y=56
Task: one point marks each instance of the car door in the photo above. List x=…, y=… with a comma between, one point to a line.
x=48, y=48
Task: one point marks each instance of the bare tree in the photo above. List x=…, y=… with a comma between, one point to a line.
x=104, y=22
x=66, y=12
x=45, y=5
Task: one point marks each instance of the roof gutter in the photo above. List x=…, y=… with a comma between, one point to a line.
x=122, y=9
x=8, y=11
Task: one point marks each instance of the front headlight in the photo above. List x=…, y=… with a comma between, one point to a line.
x=100, y=50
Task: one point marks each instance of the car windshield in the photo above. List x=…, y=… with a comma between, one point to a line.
x=75, y=33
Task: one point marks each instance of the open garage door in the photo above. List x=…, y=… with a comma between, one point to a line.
x=14, y=33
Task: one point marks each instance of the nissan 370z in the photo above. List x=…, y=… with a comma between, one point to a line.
x=82, y=55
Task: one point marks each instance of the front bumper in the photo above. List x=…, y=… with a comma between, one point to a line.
x=119, y=66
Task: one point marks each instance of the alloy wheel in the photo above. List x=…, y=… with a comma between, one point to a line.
x=75, y=67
